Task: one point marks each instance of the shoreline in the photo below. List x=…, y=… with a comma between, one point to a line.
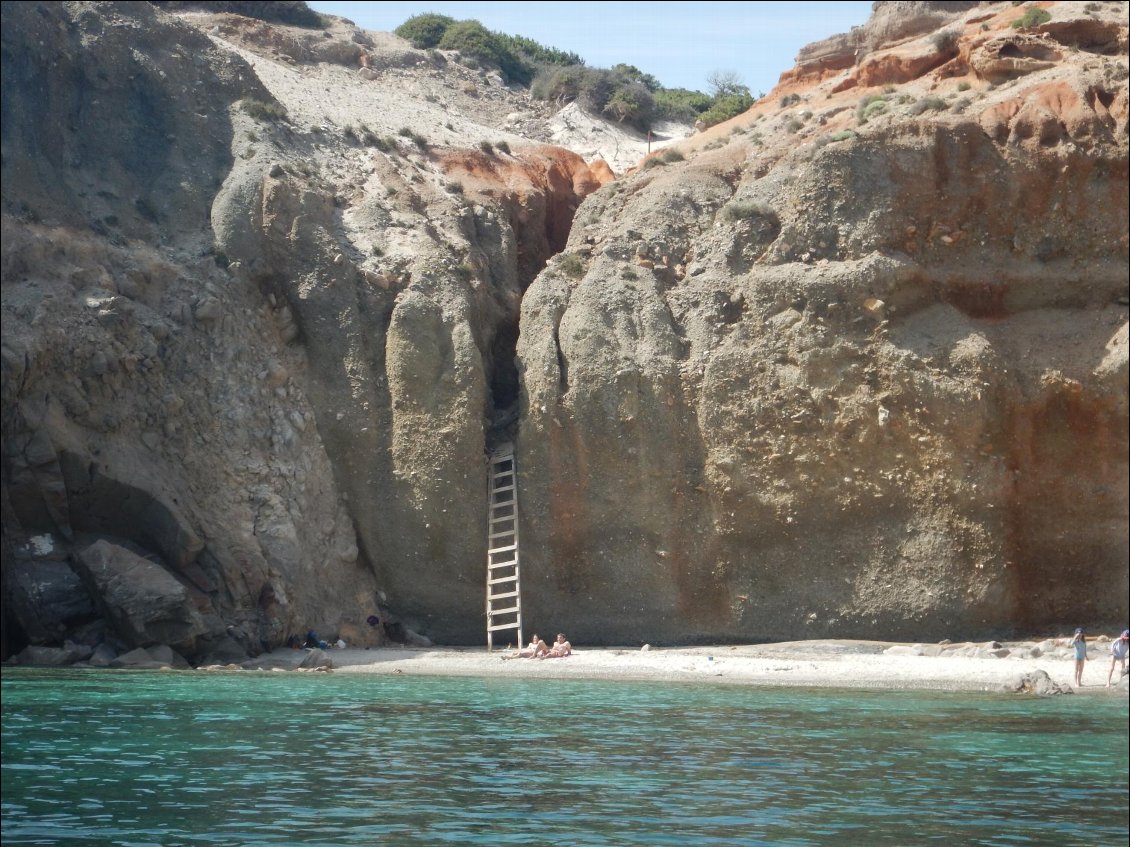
x=821, y=663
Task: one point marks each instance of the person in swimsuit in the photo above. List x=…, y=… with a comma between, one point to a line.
x=1079, y=645
x=1118, y=650
x=560, y=648
x=537, y=649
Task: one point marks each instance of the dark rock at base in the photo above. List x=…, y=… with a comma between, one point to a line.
x=137, y=659
x=102, y=656
x=146, y=604
x=224, y=650
x=168, y=656
x=79, y=652
x=44, y=656
x=43, y=596
x=414, y=639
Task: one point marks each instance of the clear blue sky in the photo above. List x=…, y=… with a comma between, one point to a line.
x=679, y=43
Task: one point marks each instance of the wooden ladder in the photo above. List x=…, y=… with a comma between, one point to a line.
x=504, y=603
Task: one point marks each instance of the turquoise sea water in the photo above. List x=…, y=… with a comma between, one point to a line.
x=149, y=758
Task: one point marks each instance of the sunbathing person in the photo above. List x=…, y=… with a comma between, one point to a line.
x=537, y=649
x=560, y=648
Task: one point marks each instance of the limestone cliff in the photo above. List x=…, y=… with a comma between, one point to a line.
x=853, y=364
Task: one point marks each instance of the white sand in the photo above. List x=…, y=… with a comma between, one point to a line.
x=835, y=664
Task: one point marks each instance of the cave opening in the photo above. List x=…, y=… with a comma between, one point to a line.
x=504, y=384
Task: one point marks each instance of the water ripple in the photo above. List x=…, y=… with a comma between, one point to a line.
x=271, y=760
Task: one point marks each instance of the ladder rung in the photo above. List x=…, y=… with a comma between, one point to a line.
x=502, y=529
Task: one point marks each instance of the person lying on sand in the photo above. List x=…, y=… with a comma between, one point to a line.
x=537, y=649
x=560, y=648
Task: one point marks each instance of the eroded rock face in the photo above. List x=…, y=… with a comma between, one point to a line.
x=841, y=373
x=859, y=388
x=146, y=604
x=273, y=369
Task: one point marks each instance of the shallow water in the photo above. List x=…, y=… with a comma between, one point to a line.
x=148, y=758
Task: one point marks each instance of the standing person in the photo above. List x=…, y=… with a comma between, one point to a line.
x=1118, y=650
x=1079, y=645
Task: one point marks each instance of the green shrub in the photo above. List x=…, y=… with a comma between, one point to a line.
x=426, y=30
x=963, y=86
x=632, y=104
x=1033, y=17
x=746, y=211
x=295, y=13
x=664, y=157
x=503, y=146
x=681, y=104
x=536, y=52
x=571, y=265
x=793, y=126
x=946, y=40
x=725, y=108
x=935, y=104
x=559, y=84
x=486, y=147
x=473, y=39
x=632, y=74
x=842, y=135
x=870, y=107
x=262, y=111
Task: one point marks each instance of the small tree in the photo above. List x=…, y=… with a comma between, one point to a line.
x=726, y=84
x=424, y=30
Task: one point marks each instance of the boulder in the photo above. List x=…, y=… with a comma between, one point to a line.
x=166, y=655
x=102, y=656
x=223, y=650
x=146, y=604
x=45, y=596
x=40, y=656
x=138, y=659
x=316, y=659
x=1038, y=683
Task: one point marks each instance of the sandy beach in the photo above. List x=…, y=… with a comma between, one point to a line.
x=818, y=663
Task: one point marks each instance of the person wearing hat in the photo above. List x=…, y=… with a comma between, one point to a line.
x=1079, y=645
x=1118, y=650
